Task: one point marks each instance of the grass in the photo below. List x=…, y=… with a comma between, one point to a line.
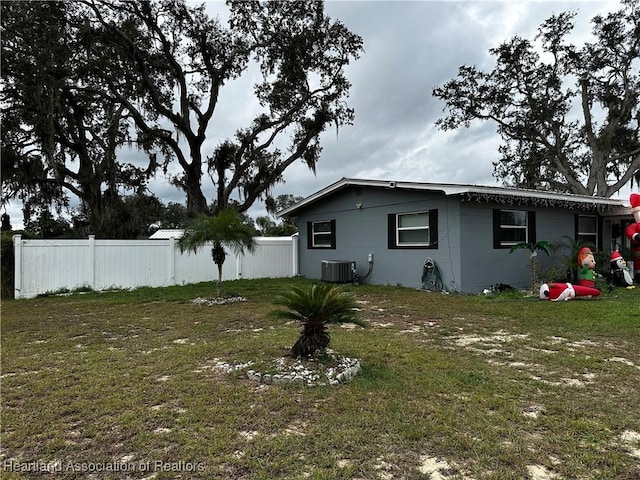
x=503, y=387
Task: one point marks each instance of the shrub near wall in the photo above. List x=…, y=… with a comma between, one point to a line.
x=7, y=265
x=7, y=262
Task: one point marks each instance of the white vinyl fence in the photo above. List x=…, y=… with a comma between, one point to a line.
x=43, y=266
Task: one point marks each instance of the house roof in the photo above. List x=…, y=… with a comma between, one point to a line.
x=474, y=193
x=165, y=233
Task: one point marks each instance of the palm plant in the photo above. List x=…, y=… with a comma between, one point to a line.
x=571, y=259
x=315, y=307
x=223, y=230
x=533, y=248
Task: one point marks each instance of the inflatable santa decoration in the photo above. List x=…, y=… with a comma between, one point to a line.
x=566, y=291
x=633, y=234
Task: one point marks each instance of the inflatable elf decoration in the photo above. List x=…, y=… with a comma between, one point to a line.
x=633, y=234
x=586, y=265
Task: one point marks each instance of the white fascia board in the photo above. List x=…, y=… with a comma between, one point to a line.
x=313, y=197
x=451, y=189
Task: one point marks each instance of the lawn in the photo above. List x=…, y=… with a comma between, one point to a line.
x=125, y=385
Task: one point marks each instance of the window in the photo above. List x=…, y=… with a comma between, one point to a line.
x=587, y=229
x=511, y=227
x=413, y=229
x=321, y=234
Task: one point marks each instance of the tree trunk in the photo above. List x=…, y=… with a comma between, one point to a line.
x=313, y=339
x=218, y=255
x=219, y=286
x=533, y=275
x=196, y=201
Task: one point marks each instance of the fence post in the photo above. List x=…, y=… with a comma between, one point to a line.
x=92, y=261
x=294, y=246
x=172, y=261
x=17, y=265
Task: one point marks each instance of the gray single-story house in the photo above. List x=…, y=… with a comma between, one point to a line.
x=388, y=229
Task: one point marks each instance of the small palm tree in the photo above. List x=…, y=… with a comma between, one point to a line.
x=533, y=248
x=223, y=230
x=315, y=307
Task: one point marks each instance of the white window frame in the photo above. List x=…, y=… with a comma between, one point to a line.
x=418, y=227
x=593, y=236
x=525, y=227
x=329, y=234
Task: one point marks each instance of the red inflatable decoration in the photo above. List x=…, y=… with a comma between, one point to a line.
x=566, y=291
x=633, y=234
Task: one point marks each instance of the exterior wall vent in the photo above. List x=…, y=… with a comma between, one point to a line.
x=339, y=271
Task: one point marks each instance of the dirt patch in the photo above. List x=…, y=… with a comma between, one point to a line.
x=439, y=469
x=534, y=411
x=624, y=361
x=499, y=337
x=631, y=442
x=539, y=472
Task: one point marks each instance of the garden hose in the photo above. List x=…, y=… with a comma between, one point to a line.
x=431, y=276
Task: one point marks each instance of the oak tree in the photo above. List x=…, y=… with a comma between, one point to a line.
x=60, y=136
x=181, y=59
x=568, y=117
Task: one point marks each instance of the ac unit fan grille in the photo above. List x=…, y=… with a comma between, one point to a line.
x=339, y=271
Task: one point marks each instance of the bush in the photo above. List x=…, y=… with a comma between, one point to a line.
x=7, y=260
x=557, y=274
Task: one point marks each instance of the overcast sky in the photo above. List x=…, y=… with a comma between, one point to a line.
x=410, y=47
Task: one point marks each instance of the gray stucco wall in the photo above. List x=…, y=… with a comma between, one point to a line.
x=485, y=266
x=361, y=231
x=465, y=254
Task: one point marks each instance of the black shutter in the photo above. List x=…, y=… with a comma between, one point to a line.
x=333, y=234
x=496, y=229
x=600, y=227
x=531, y=226
x=391, y=231
x=309, y=235
x=433, y=228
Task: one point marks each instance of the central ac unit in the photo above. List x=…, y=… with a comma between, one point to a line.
x=340, y=271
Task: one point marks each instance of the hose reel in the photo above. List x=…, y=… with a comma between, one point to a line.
x=431, y=276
